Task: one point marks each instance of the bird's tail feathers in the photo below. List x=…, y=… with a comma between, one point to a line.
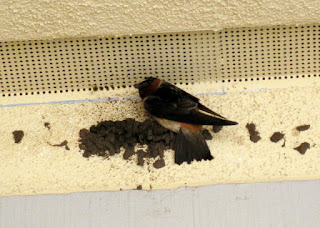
x=190, y=145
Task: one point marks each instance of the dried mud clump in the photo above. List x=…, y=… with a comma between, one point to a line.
x=303, y=147
x=63, y=144
x=47, y=125
x=18, y=135
x=254, y=134
x=303, y=127
x=107, y=137
x=276, y=137
x=216, y=129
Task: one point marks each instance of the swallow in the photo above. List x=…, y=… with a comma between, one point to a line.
x=180, y=112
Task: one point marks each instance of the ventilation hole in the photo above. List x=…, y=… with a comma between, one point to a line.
x=75, y=64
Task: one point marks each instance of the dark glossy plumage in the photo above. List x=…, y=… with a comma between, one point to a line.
x=173, y=103
x=181, y=112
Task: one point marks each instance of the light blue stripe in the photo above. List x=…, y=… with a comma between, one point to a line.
x=62, y=102
x=112, y=99
x=223, y=90
x=255, y=90
x=209, y=93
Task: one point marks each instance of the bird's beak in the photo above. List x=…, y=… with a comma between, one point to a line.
x=137, y=86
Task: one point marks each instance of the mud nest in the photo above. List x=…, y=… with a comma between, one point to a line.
x=107, y=137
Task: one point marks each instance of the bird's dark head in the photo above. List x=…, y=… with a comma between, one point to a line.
x=148, y=86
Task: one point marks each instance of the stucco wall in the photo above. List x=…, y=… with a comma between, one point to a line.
x=47, y=19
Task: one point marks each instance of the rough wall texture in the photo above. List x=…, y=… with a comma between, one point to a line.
x=40, y=162
x=48, y=19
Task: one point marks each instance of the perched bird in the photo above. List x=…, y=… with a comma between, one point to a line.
x=180, y=112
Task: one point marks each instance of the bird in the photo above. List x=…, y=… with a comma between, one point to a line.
x=182, y=113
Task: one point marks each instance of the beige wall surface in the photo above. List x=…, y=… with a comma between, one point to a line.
x=48, y=19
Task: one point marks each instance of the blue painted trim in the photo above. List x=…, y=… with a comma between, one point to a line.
x=112, y=99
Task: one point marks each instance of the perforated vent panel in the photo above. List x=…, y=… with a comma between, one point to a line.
x=34, y=67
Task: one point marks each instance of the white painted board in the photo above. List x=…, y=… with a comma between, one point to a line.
x=277, y=204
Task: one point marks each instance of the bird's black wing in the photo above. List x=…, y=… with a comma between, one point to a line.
x=163, y=108
x=181, y=109
x=173, y=93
